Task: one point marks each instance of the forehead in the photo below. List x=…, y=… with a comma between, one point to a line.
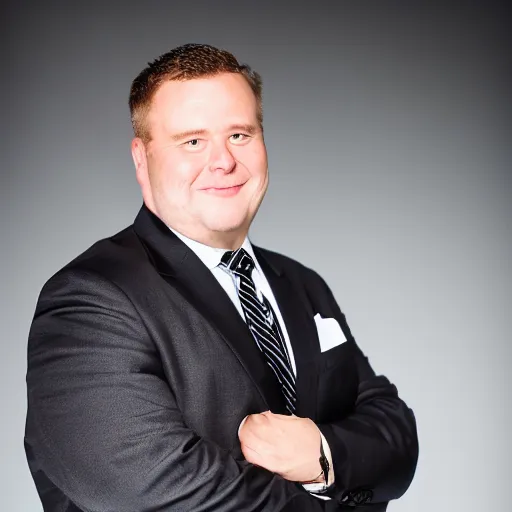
x=210, y=102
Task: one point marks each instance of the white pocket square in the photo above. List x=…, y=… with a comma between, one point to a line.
x=329, y=332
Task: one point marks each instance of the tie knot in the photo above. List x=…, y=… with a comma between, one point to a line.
x=238, y=262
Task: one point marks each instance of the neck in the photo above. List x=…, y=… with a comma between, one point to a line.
x=229, y=240
x=220, y=240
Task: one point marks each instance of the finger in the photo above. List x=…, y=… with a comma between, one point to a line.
x=259, y=427
x=241, y=425
x=254, y=437
x=255, y=457
x=282, y=417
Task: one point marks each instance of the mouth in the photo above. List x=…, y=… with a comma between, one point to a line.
x=223, y=191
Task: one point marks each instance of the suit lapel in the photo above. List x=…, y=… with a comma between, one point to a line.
x=186, y=272
x=301, y=330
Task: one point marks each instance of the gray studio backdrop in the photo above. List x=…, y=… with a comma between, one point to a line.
x=388, y=130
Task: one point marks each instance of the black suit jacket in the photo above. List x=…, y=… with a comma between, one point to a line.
x=140, y=370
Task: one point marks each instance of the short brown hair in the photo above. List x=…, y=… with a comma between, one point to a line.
x=185, y=62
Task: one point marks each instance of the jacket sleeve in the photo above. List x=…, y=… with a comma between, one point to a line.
x=375, y=448
x=103, y=422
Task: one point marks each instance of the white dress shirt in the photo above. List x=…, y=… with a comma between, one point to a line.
x=211, y=257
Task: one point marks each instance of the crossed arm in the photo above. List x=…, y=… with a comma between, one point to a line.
x=103, y=424
x=374, y=449
x=105, y=428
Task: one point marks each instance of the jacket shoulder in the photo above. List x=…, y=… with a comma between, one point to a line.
x=292, y=267
x=113, y=259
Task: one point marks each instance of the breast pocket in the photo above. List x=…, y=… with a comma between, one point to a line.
x=337, y=383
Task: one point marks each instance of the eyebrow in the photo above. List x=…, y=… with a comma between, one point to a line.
x=246, y=128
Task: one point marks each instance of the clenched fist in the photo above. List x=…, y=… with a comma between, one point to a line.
x=286, y=445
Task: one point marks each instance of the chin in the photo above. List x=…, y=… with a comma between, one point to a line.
x=225, y=227
x=228, y=225
x=224, y=219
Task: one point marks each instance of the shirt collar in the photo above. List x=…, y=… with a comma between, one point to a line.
x=211, y=256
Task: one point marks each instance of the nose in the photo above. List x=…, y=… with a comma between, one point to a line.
x=221, y=158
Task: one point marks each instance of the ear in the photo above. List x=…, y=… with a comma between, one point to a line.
x=140, y=161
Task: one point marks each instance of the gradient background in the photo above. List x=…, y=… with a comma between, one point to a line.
x=389, y=138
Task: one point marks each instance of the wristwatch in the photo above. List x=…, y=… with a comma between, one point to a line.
x=324, y=464
x=316, y=487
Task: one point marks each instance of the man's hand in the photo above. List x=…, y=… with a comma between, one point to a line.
x=286, y=445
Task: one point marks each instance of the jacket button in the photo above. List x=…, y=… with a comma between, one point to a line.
x=355, y=498
x=363, y=496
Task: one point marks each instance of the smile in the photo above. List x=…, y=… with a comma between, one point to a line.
x=223, y=192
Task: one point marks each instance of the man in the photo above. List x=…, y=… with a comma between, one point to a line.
x=174, y=366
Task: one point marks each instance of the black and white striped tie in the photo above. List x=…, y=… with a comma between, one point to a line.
x=262, y=323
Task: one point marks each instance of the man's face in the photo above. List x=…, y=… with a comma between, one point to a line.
x=204, y=171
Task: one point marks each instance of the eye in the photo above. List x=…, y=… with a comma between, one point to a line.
x=239, y=137
x=194, y=144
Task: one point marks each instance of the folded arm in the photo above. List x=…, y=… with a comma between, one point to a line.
x=375, y=448
x=103, y=422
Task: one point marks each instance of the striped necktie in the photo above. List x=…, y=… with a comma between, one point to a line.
x=262, y=323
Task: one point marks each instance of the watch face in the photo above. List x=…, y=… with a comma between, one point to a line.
x=324, y=464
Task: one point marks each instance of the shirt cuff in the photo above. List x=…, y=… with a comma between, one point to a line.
x=320, y=487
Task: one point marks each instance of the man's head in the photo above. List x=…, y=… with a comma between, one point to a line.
x=186, y=62
x=198, y=149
